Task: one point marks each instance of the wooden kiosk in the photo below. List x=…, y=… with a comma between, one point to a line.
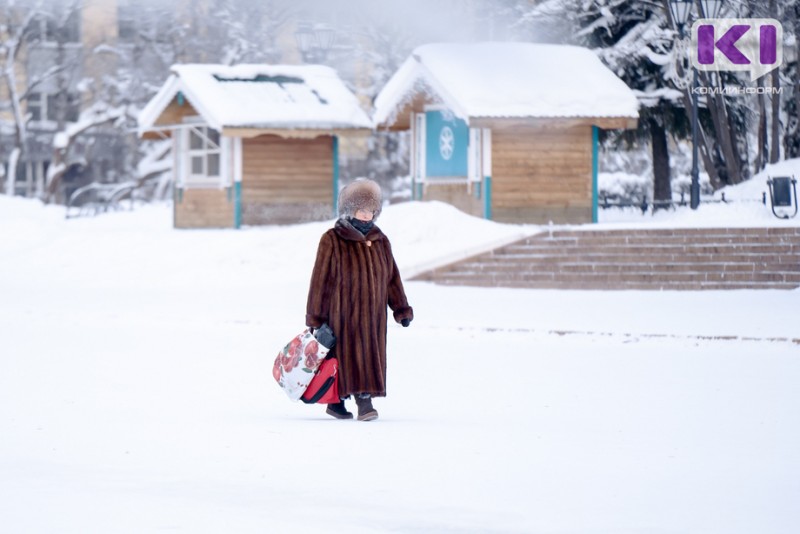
x=253, y=144
x=507, y=131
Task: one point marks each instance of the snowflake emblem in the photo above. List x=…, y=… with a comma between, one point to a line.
x=447, y=142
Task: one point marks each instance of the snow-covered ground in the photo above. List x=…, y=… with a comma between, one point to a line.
x=136, y=393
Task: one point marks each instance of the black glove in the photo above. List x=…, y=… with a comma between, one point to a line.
x=325, y=336
x=405, y=322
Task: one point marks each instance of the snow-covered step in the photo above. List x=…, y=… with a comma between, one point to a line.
x=699, y=248
x=717, y=258
x=612, y=267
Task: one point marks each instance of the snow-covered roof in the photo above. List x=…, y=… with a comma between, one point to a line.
x=260, y=96
x=508, y=80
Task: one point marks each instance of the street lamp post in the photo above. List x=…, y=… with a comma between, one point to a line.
x=314, y=41
x=681, y=12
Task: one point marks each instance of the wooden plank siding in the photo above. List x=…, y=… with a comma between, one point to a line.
x=402, y=118
x=542, y=173
x=204, y=208
x=461, y=196
x=286, y=180
x=174, y=113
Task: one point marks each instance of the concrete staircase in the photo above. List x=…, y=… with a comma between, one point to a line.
x=672, y=259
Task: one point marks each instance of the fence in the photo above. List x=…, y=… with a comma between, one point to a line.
x=99, y=198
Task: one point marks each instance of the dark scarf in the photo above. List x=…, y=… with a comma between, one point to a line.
x=362, y=226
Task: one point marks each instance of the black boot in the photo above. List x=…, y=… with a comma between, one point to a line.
x=338, y=411
x=365, y=410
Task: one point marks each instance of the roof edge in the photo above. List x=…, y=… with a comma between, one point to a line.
x=402, y=87
x=156, y=105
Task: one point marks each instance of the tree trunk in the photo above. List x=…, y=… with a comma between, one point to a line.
x=791, y=137
x=707, y=155
x=11, y=176
x=775, y=153
x=662, y=189
x=11, y=47
x=62, y=82
x=763, y=145
x=724, y=134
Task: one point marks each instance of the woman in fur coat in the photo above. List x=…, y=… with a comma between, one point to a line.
x=355, y=278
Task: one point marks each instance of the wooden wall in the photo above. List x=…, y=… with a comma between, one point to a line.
x=459, y=195
x=175, y=112
x=172, y=114
x=286, y=180
x=542, y=173
x=204, y=208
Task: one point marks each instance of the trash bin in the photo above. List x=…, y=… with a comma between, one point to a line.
x=780, y=194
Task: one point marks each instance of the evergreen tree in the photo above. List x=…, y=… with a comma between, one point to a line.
x=637, y=41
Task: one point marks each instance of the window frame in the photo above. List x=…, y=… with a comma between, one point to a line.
x=36, y=101
x=44, y=30
x=205, y=153
x=44, y=104
x=126, y=20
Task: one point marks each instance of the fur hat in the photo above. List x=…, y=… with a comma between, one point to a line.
x=360, y=194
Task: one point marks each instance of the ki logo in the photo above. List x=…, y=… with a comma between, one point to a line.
x=754, y=45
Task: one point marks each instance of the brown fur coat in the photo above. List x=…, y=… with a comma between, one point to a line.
x=355, y=278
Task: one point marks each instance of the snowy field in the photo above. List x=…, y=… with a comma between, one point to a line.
x=136, y=393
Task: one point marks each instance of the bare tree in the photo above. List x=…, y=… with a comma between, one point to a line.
x=17, y=25
x=246, y=31
x=383, y=47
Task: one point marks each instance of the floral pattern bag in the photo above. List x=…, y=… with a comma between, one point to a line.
x=297, y=363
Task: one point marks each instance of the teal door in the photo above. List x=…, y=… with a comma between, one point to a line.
x=446, y=140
